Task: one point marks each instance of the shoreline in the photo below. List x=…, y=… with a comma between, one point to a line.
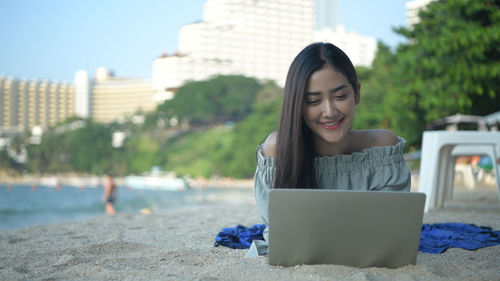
x=97, y=181
x=463, y=178
x=178, y=245
x=199, y=183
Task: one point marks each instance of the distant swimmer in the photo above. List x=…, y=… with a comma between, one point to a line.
x=109, y=195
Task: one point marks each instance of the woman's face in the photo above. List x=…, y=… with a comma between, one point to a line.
x=328, y=105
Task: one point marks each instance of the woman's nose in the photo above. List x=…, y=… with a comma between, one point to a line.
x=329, y=109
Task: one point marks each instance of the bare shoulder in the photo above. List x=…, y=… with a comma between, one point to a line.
x=381, y=137
x=269, y=145
x=384, y=137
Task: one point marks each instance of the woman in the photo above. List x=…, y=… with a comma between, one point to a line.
x=314, y=146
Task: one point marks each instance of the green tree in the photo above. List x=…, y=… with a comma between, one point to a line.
x=213, y=101
x=141, y=153
x=240, y=159
x=197, y=153
x=450, y=64
x=376, y=83
x=7, y=164
x=49, y=155
x=89, y=148
x=225, y=150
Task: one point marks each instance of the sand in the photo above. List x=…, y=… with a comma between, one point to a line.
x=178, y=245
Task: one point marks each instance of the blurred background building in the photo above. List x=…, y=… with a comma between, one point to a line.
x=257, y=39
x=327, y=13
x=25, y=103
x=252, y=38
x=106, y=98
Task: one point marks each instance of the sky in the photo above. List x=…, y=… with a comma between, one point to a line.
x=52, y=39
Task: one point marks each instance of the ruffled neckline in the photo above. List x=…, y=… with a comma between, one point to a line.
x=374, y=153
x=374, y=150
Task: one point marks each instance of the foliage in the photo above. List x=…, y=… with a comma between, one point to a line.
x=214, y=101
x=270, y=92
x=85, y=149
x=196, y=153
x=241, y=159
x=49, y=156
x=451, y=64
x=91, y=148
x=222, y=150
x=140, y=154
x=8, y=165
x=376, y=82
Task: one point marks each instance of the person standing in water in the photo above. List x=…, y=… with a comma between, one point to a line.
x=109, y=195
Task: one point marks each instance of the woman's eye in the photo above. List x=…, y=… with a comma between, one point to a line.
x=313, y=101
x=341, y=97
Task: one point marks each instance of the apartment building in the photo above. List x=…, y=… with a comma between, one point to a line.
x=110, y=98
x=257, y=39
x=253, y=38
x=28, y=103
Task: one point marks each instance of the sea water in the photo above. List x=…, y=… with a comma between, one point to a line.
x=24, y=205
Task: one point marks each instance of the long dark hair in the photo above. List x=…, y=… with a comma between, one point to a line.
x=294, y=162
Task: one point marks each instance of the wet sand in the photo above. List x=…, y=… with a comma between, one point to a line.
x=178, y=245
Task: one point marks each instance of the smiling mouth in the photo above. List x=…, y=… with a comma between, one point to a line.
x=332, y=125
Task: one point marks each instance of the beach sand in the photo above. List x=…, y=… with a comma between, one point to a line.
x=178, y=245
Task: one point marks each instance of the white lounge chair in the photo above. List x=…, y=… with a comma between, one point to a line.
x=438, y=160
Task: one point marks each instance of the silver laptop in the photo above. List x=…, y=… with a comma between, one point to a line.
x=354, y=228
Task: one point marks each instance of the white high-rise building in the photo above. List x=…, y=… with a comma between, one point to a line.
x=327, y=14
x=360, y=49
x=254, y=38
x=82, y=94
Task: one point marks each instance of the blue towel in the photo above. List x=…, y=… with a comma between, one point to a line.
x=240, y=237
x=434, y=238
